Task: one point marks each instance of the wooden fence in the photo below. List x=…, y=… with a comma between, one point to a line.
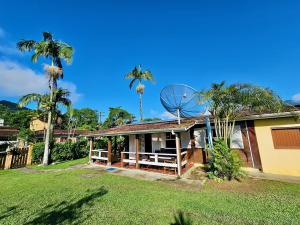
x=2, y=159
x=15, y=158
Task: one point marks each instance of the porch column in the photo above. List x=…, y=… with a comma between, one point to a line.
x=109, y=144
x=91, y=143
x=178, y=152
x=137, y=151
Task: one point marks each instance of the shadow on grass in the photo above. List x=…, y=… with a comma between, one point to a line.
x=67, y=212
x=9, y=212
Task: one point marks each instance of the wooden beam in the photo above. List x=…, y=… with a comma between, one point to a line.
x=137, y=151
x=91, y=143
x=109, y=146
x=178, y=152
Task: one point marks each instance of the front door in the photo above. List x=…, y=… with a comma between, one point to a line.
x=148, y=143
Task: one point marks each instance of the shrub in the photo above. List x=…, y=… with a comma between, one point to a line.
x=224, y=164
x=38, y=152
x=61, y=151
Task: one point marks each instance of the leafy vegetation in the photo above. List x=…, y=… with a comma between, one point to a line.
x=223, y=163
x=61, y=151
x=83, y=196
x=228, y=103
x=16, y=118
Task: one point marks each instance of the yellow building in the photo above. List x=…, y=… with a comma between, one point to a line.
x=37, y=125
x=278, y=139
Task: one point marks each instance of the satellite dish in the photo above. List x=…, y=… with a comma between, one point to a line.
x=181, y=100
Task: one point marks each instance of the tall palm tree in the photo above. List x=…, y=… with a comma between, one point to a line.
x=138, y=75
x=55, y=51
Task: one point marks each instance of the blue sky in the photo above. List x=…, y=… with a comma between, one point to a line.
x=191, y=42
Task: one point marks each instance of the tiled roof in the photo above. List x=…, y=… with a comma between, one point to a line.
x=145, y=128
x=8, y=131
x=57, y=132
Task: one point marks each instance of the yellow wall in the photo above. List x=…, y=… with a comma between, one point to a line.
x=276, y=161
x=36, y=125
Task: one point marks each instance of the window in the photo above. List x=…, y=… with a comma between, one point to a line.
x=170, y=140
x=286, y=138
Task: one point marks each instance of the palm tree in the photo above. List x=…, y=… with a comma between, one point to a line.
x=55, y=51
x=43, y=101
x=228, y=103
x=138, y=75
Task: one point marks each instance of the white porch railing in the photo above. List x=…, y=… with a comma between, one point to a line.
x=153, y=159
x=99, y=154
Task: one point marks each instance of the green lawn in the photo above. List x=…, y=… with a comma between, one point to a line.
x=61, y=165
x=93, y=197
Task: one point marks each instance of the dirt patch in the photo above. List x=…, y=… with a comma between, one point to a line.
x=248, y=185
x=91, y=175
x=29, y=170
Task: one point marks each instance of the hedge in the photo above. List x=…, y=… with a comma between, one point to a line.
x=61, y=151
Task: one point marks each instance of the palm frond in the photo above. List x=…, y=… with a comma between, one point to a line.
x=132, y=82
x=26, y=45
x=26, y=99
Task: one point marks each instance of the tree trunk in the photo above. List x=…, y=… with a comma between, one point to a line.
x=49, y=125
x=141, y=107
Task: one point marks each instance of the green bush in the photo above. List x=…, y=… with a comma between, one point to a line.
x=224, y=164
x=61, y=151
x=38, y=152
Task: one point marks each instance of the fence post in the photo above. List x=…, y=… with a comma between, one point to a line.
x=29, y=155
x=8, y=159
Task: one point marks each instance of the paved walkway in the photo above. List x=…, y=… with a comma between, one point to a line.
x=276, y=177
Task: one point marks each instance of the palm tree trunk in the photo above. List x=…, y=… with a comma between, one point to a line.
x=141, y=107
x=49, y=123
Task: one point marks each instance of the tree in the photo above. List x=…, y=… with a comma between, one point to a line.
x=44, y=104
x=16, y=118
x=85, y=118
x=117, y=117
x=228, y=103
x=138, y=75
x=55, y=51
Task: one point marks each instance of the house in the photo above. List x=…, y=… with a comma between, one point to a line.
x=39, y=128
x=266, y=142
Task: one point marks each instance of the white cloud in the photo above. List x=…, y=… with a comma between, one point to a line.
x=17, y=80
x=296, y=97
x=167, y=116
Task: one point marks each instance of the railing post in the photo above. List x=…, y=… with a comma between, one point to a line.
x=29, y=155
x=137, y=151
x=178, y=152
x=156, y=157
x=109, y=145
x=91, y=142
x=8, y=159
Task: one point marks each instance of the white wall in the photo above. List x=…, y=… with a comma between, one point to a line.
x=185, y=139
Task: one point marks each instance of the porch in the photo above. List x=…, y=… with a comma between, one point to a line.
x=175, y=161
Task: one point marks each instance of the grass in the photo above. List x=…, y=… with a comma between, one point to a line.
x=61, y=165
x=95, y=197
